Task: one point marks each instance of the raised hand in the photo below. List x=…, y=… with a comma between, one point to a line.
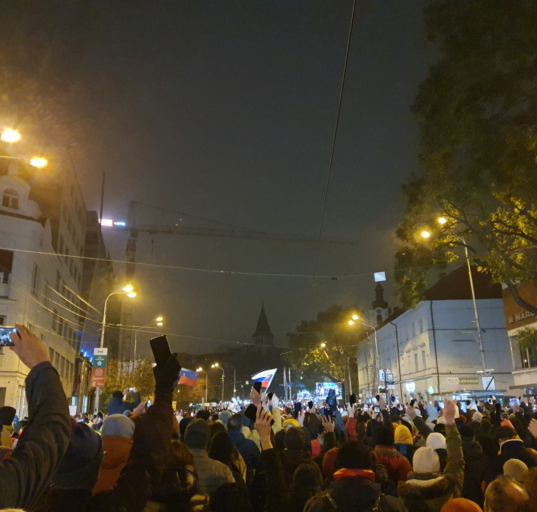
x=301, y=416
x=274, y=402
x=263, y=426
x=411, y=411
x=533, y=428
x=328, y=424
x=350, y=409
x=30, y=349
x=255, y=397
x=449, y=411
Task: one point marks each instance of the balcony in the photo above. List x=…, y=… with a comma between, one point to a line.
x=4, y=290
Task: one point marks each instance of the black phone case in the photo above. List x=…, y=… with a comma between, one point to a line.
x=161, y=349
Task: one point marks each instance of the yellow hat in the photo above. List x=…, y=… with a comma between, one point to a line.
x=403, y=435
x=291, y=422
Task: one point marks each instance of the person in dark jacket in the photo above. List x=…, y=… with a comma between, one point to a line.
x=78, y=472
x=247, y=448
x=294, y=454
x=475, y=466
x=396, y=464
x=44, y=441
x=118, y=406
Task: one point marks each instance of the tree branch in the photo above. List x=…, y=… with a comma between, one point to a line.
x=518, y=299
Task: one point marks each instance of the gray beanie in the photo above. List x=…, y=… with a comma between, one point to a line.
x=118, y=425
x=224, y=416
x=198, y=434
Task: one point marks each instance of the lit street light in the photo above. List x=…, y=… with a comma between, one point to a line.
x=128, y=290
x=159, y=321
x=10, y=135
x=200, y=369
x=38, y=162
x=216, y=365
x=323, y=344
x=425, y=234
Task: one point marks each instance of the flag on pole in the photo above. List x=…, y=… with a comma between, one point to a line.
x=187, y=377
x=265, y=377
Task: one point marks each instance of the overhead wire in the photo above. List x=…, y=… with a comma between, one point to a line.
x=332, y=151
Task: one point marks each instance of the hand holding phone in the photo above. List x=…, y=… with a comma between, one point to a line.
x=161, y=350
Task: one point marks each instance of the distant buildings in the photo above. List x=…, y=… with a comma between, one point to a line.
x=433, y=349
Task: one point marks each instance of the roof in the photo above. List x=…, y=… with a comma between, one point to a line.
x=263, y=327
x=456, y=286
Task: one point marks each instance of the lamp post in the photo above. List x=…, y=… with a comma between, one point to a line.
x=356, y=319
x=425, y=234
x=128, y=291
x=159, y=322
x=216, y=365
x=200, y=369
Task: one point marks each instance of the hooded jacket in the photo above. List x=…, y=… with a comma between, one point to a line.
x=116, y=455
x=352, y=493
x=428, y=492
x=474, y=471
x=396, y=464
x=512, y=449
x=249, y=452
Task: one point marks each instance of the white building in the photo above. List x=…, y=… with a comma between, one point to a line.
x=524, y=362
x=42, y=223
x=433, y=349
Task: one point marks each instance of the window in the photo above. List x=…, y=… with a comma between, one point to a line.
x=423, y=359
x=51, y=354
x=416, y=361
x=55, y=321
x=409, y=370
x=421, y=325
x=10, y=199
x=58, y=281
x=2, y=320
x=6, y=265
x=35, y=281
x=60, y=326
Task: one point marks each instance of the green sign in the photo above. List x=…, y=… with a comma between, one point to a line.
x=468, y=380
x=99, y=361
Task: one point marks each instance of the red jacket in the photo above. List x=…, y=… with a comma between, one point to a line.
x=396, y=464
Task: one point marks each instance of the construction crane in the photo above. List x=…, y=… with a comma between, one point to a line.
x=156, y=229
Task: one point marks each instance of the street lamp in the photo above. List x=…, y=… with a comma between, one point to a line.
x=217, y=366
x=128, y=290
x=323, y=344
x=159, y=321
x=442, y=221
x=200, y=369
x=10, y=135
x=356, y=319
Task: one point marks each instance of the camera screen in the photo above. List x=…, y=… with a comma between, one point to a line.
x=5, y=340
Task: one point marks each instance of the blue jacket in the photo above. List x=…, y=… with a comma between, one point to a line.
x=249, y=451
x=118, y=406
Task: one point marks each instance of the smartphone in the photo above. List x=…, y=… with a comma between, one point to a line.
x=512, y=402
x=352, y=399
x=270, y=395
x=376, y=409
x=298, y=407
x=257, y=387
x=161, y=350
x=310, y=404
x=412, y=402
x=5, y=340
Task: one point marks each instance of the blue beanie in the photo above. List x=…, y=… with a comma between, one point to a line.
x=224, y=417
x=118, y=425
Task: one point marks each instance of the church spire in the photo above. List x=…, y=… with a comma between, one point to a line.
x=263, y=335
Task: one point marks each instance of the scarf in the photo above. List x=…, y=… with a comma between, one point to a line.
x=348, y=473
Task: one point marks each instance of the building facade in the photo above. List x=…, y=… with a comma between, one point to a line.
x=433, y=350
x=42, y=229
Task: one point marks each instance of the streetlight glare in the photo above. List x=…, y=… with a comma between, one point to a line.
x=425, y=234
x=38, y=162
x=10, y=135
x=323, y=344
x=160, y=324
x=200, y=369
x=159, y=319
x=131, y=294
x=355, y=317
x=442, y=220
x=351, y=322
x=128, y=288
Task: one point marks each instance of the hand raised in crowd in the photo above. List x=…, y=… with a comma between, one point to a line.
x=382, y=403
x=140, y=409
x=411, y=411
x=274, y=402
x=263, y=426
x=166, y=376
x=450, y=408
x=533, y=428
x=300, y=418
x=30, y=349
x=350, y=410
x=255, y=397
x=328, y=424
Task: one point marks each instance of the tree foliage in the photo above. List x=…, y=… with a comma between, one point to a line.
x=527, y=339
x=477, y=112
x=315, y=363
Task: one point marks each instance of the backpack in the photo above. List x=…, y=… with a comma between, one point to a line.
x=380, y=505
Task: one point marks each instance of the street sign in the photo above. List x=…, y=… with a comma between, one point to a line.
x=468, y=380
x=98, y=376
x=100, y=352
x=100, y=361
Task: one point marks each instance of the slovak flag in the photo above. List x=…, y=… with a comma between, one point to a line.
x=265, y=377
x=187, y=377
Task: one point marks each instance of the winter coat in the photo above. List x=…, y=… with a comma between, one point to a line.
x=149, y=455
x=474, y=471
x=353, y=494
x=43, y=443
x=211, y=473
x=512, y=449
x=396, y=464
x=291, y=459
x=427, y=492
x=118, y=406
x=116, y=455
x=249, y=452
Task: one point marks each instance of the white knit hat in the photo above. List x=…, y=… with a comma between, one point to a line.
x=426, y=460
x=436, y=441
x=477, y=416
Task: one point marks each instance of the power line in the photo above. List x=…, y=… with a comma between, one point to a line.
x=334, y=140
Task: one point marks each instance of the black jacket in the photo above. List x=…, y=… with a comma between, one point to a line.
x=476, y=464
x=513, y=449
x=43, y=443
x=140, y=477
x=118, y=406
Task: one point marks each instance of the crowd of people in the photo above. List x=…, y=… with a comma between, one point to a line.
x=268, y=457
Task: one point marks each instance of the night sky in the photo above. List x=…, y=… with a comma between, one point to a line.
x=226, y=110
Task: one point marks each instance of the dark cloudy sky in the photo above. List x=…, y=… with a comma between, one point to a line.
x=226, y=110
